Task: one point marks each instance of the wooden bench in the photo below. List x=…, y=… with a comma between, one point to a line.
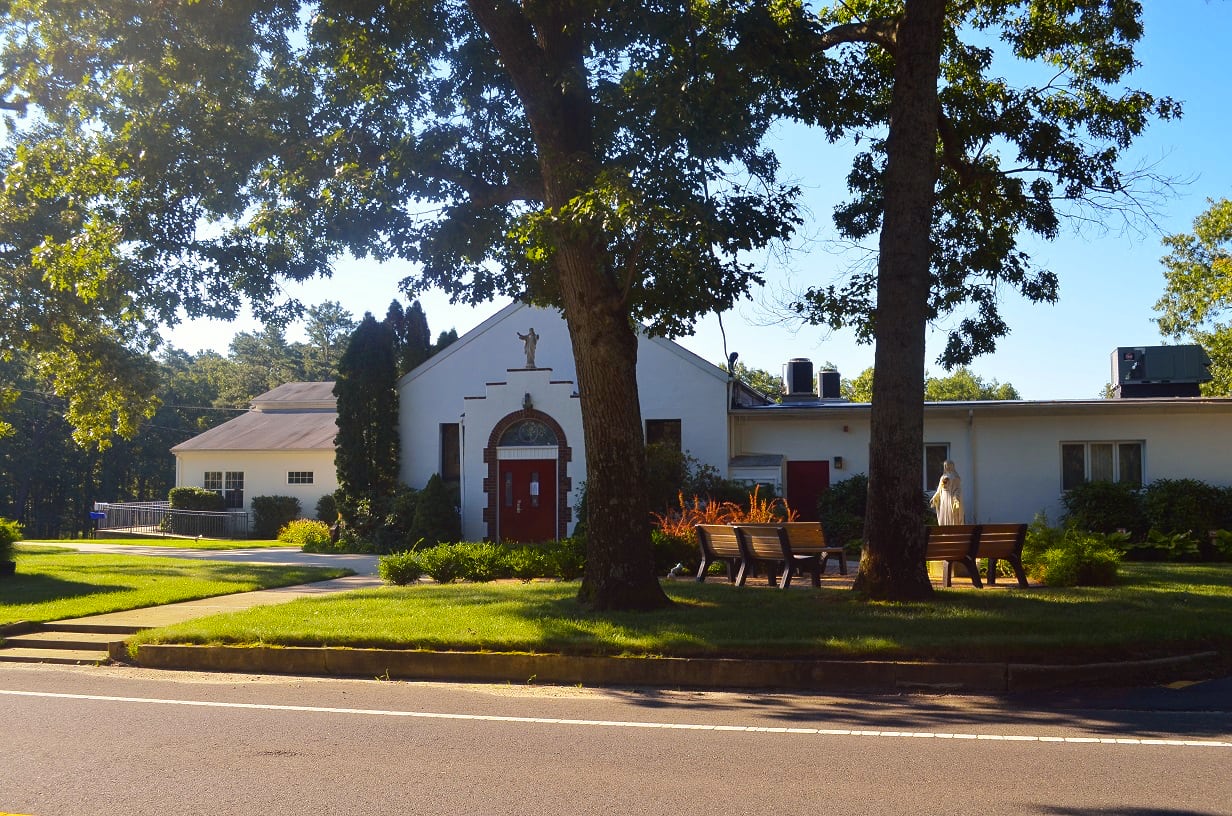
x=964, y=543
x=808, y=537
x=770, y=545
x=1003, y=541
x=719, y=542
x=954, y=543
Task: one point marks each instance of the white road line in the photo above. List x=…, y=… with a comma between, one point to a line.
x=747, y=729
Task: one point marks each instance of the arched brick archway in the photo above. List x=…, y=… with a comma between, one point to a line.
x=564, y=482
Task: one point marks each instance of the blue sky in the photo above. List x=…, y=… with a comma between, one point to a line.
x=1110, y=277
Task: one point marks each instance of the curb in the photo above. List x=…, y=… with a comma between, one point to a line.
x=702, y=673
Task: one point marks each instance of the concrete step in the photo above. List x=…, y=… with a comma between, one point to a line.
x=91, y=628
x=63, y=656
x=91, y=641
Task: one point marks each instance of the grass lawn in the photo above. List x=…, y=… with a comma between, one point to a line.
x=167, y=541
x=53, y=584
x=1158, y=609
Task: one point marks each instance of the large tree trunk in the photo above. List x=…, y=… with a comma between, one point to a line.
x=547, y=65
x=619, y=557
x=892, y=566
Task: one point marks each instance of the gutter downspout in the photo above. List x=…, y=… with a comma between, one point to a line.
x=971, y=446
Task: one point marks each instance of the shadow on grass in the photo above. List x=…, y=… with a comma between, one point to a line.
x=24, y=588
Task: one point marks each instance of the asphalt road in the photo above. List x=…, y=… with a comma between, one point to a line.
x=124, y=741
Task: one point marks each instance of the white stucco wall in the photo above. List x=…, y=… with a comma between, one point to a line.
x=483, y=377
x=1009, y=454
x=265, y=473
x=1017, y=459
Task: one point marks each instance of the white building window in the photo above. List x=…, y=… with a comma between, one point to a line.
x=299, y=477
x=233, y=488
x=935, y=454
x=213, y=481
x=1101, y=462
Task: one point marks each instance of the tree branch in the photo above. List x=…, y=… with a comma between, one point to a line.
x=882, y=31
x=485, y=194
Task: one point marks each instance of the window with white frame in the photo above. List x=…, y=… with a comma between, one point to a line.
x=935, y=454
x=299, y=477
x=233, y=488
x=1113, y=461
x=213, y=481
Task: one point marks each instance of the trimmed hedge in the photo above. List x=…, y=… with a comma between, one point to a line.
x=196, y=498
x=485, y=561
x=271, y=513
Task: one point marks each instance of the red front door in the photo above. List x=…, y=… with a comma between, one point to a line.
x=527, y=501
x=806, y=481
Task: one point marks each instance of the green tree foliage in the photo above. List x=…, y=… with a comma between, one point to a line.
x=960, y=386
x=444, y=339
x=1197, y=300
x=859, y=389
x=605, y=159
x=414, y=341
x=436, y=515
x=259, y=362
x=367, y=441
x=959, y=163
x=327, y=327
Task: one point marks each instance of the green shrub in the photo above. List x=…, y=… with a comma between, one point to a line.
x=308, y=534
x=1105, y=507
x=1221, y=544
x=670, y=550
x=671, y=472
x=1069, y=556
x=528, y=562
x=436, y=517
x=401, y=568
x=10, y=534
x=484, y=561
x=1088, y=563
x=444, y=563
x=1182, y=506
x=196, y=498
x=327, y=508
x=379, y=524
x=271, y=513
x=1181, y=546
x=566, y=558
x=841, y=510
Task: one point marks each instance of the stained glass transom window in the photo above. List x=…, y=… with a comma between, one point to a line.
x=528, y=433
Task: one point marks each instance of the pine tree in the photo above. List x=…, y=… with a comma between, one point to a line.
x=367, y=441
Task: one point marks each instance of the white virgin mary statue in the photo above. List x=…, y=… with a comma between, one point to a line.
x=948, y=499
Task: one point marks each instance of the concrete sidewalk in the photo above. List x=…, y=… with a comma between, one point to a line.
x=94, y=638
x=359, y=564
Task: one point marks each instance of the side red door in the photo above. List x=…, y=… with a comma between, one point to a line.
x=806, y=481
x=527, y=510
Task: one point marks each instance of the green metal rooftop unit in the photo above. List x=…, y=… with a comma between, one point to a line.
x=1159, y=371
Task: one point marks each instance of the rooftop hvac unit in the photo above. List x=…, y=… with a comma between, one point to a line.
x=798, y=377
x=829, y=385
x=1159, y=371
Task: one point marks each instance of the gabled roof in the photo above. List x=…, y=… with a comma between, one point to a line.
x=298, y=396
x=268, y=430
x=294, y=416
